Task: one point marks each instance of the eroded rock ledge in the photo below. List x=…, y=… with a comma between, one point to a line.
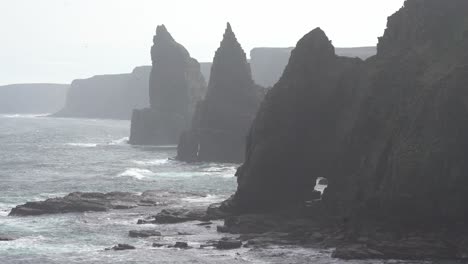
x=95, y=202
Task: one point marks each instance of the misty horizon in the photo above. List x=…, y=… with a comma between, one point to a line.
x=57, y=41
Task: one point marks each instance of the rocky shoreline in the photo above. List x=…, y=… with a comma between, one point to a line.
x=308, y=228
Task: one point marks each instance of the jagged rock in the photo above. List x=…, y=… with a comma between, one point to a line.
x=388, y=132
x=143, y=233
x=176, y=85
x=228, y=243
x=299, y=126
x=107, y=96
x=121, y=247
x=172, y=216
x=222, y=119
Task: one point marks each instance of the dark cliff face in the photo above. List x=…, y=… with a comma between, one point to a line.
x=299, y=125
x=107, y=96
x=409, y=146
x=389, y=133
x=175, y=86
x=222, y=119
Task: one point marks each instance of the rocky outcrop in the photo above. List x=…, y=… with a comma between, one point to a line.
x=32, y=98
x=268, y=64
x=175, y=86
x=221, y=120
x=107, y=96
x=95, y=202
x=388, y=133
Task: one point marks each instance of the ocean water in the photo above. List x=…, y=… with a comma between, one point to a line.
x=43, y=157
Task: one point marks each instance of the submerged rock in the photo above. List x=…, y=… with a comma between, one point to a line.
x=144, y=233
x=121, y=247
x=176, y=85
x=181, y=245
x=229, y=243
x=222, y=119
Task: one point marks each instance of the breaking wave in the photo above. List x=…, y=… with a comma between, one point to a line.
x=136, y=173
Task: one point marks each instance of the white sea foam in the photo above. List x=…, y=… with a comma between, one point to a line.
x=83, y=145
x=121, y=141
x=151, y=162
x=206, y=199
x=136, y=173
x=24, y=115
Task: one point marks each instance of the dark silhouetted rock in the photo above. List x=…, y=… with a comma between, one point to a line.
x=5, y=238
x=181, y=245
x=143, y=233
x=96, y=202
x=389, y=133
x=268, y=64
x=107, y=96
x=32, y=98
x=222, y=119
x=228, y=243
x=175, y=86
x=121, y=247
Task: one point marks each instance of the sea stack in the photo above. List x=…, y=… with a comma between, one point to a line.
x=175, y=85
x=222, y=119
x=389, y=133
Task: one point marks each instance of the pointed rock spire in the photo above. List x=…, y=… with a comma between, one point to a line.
x=223, y=118
x=162, y=34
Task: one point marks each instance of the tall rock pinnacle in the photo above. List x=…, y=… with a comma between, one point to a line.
x=175, y=86
x=222, y=120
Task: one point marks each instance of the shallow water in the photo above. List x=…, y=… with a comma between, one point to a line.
x=43, y=157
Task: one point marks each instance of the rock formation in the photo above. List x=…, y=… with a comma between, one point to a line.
x=107, y=96
x=176, y=85
x=388, y=133
x=222, y=119
x=32, y=98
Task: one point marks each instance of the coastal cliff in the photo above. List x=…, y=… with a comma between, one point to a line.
x=221, y=120
x=175, y=86
x=112, y=96
x=388, y=133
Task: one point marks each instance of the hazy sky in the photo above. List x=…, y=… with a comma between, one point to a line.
x=62, y=40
